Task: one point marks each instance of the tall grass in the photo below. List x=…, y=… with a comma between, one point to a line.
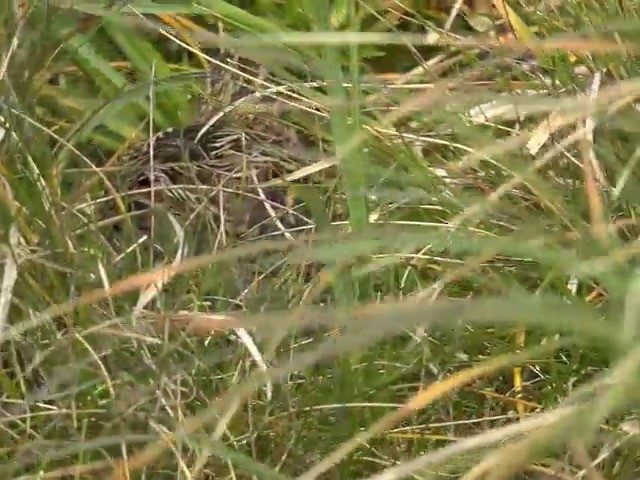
x=471, y=309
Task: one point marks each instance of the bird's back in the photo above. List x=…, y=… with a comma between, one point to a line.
x=219, y=171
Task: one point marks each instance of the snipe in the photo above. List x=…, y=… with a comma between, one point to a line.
x=217, y=172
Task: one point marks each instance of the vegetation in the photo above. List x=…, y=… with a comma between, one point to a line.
x=464, y=308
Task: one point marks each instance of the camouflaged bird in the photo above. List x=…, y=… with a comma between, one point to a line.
x=218, y=172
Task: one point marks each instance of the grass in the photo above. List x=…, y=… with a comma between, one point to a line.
x=471, y=312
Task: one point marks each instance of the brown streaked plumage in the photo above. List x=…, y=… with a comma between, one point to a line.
x=218, y=172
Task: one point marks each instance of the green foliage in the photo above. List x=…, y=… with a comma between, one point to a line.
x=437, y=237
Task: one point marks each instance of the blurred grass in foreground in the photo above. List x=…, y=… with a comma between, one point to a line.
x=442, y=228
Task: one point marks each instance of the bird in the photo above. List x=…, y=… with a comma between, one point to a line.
x=217, y=171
